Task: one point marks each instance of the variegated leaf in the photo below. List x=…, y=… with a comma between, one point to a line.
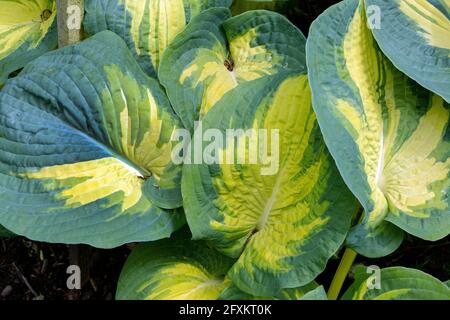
x=388, y=135
x=173, y=269
x=181, y=269
x=415, y=35
x=85, y=140
x=282, y=217
x=216, y=53
x=147, y=26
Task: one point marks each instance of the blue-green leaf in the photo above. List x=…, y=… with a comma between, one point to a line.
x=85, y=139
x=147, y=26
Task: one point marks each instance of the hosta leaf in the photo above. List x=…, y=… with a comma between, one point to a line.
x=147, y=26
x=285, y=218
x=27, y=30
x=388, y=135
x=181, y=269
x=309, y=292
x=318, y=293
x=396, y=283
x=415, y=35
x=85, y=149
x=173, y=269
x=216, y=53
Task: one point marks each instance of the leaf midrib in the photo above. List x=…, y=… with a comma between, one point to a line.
x=269, y=204
x=143, y=173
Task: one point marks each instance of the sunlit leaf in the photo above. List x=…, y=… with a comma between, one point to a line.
x=415, y=35
x=388, y=135
x=181, y=269
x=216, y=53
x=173, y=269
x=282, y=219
x=85, y=139
x=147, y=26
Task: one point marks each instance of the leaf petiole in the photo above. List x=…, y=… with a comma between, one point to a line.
x=341, y=273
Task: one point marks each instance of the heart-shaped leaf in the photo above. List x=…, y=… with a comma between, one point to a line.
x=85, y=140
x=285, y=214
x=388, y=135
x=396, y=283
x=173, y=269
x=415, y=35
x=27, y=30
x=147, y=26
x=216, y=53
x=181, y=269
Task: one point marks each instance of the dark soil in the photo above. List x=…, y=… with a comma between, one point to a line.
x=430, y=257
x=35, y=271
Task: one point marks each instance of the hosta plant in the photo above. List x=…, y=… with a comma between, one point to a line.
x=388, y=135
x=352, y=145
x=147, y=26
x=181, y=269
x=87, y=149
x=27, y=30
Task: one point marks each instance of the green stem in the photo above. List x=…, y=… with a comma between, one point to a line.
x=346, y=263
x=341, y=273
